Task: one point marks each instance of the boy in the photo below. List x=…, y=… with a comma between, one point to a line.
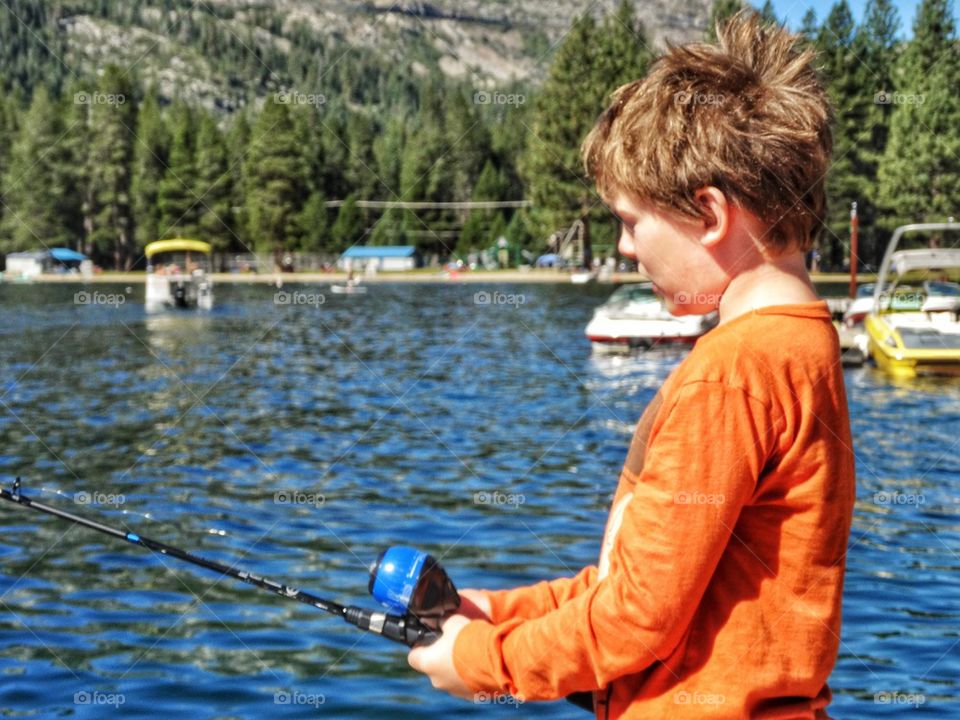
x=718, y=589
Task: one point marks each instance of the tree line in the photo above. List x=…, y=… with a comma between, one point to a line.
x=106, y=163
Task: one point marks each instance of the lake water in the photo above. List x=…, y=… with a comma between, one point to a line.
x=484, y=433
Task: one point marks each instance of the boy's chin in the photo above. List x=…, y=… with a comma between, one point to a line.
x=679, y=309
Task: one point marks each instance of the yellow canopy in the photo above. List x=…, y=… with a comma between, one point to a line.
x=176, y=245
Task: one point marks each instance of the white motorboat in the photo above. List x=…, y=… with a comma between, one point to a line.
x=634, y=317
x=350, y=287
x=178, y=275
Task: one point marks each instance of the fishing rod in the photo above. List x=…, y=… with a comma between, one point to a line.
x=407, y=581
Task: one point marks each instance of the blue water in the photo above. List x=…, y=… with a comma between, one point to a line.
x=388, y=414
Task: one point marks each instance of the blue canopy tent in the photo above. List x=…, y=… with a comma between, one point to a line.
x=66, y=255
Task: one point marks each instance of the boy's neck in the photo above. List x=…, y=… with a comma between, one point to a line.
x=781, y=280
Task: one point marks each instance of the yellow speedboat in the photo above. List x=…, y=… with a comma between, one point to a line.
x=914, y=325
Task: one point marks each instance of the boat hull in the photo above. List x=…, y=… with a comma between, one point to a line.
x=170, y=292
x=894, y=356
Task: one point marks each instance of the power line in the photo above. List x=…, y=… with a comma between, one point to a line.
x=403, y=205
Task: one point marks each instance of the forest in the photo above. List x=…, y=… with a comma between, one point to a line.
x=104, y=162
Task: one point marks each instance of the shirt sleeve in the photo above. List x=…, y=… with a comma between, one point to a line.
x=533, y=601
x=703, y=462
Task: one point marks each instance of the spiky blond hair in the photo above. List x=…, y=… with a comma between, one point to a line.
x=747, y=115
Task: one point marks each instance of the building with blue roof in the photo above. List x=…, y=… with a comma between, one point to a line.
x=28, y=265
x=389, y=258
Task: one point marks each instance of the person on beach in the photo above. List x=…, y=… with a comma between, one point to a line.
x=718, y=588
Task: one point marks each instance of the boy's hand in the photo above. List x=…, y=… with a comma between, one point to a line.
x=474, y=604
x=436, y=660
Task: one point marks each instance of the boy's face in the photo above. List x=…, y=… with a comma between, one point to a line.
x=668, y=250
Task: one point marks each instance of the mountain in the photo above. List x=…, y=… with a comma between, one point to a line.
x=217, y=52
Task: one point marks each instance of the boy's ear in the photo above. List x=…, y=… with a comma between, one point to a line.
x=716, y=215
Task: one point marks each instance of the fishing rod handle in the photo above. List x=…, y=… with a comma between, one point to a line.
x=402, y=629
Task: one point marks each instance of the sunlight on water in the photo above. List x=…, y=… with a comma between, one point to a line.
x=298, y=441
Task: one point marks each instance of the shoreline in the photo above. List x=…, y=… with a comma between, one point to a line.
x=432, y=277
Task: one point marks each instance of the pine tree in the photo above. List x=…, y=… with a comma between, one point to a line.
x=238, y=138
x=275, y=180
x=150, y=157
x=334, y=152
x=721, y=11
x=769, y=13
x=876, y=49
x=314, y=225
x=920, y=171
x=468, y=141
x=426, y=173
x=113, y=115
x=349, y=228
x=517, y=232
x=35, y=184
x=389, y=229
x=476, y=230
x=388, y=151
x=359, y=171
x=847, y=177
x=808, y=25
x=9, y=111
x=213, y=189
x=75, y=143
x=176, y=200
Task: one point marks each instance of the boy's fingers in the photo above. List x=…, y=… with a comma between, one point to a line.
x=414, y=658
x=474, y=604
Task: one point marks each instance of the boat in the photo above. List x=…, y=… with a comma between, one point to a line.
x=635, y=317
x=913, y=327
x=178, y=275
x=350, y=287
x=854, y=343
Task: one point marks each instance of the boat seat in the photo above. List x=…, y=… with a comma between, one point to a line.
x=941, y=303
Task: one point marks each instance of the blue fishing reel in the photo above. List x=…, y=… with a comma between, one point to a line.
x=410, y=582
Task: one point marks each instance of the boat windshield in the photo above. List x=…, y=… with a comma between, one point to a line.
x=642, y=292
x=917, y=338
x=942, y=289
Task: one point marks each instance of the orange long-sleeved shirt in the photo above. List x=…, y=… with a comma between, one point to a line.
x=718, y=590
